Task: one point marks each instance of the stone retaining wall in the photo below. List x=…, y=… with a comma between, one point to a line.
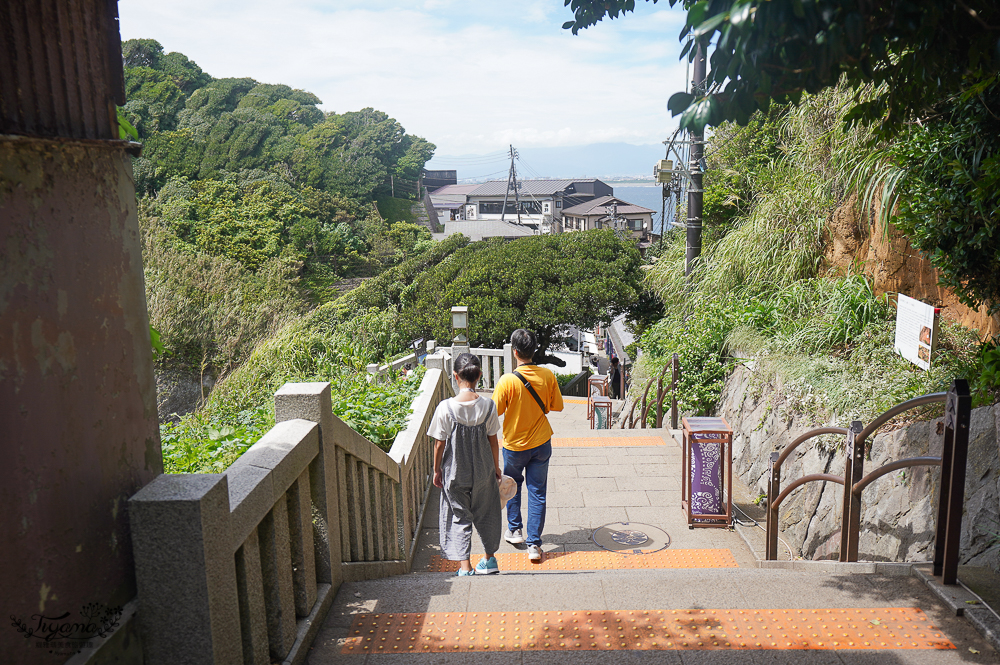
x=898, y=517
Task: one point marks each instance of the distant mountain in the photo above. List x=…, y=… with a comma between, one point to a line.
x=597, y=160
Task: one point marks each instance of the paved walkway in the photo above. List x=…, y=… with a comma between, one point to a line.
x=681, y=596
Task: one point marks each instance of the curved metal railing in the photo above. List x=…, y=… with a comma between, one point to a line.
x=953, y=460
x=629, y=422
x=774, y=493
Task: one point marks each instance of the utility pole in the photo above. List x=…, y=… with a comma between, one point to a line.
x=696, y=192
x=511, y=182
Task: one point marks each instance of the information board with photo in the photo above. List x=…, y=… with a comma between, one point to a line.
x=916, y=327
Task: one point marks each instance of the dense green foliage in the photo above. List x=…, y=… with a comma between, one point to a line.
x=942, y=180
x=254, y=202
x=760, y=292
x=907, y=53
x=250, y=171
x=539, y=282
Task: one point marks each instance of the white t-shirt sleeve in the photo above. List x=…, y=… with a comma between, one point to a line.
x=492, y=421
x=440, y=424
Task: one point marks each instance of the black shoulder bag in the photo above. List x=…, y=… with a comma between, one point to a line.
x=532, y=391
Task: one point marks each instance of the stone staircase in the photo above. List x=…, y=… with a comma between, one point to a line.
x=681, y=596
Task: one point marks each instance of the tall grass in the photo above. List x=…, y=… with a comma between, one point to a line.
x=759, y=290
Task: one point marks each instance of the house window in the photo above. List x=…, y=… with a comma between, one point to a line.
x=559, y=204
x=635, y=224
x=496, y=208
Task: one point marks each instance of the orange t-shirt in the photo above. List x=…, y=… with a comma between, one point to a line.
x=524, y=425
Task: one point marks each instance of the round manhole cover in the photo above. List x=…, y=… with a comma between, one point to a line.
x=631, y=538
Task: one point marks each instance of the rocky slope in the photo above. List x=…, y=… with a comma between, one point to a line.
x=899, y=510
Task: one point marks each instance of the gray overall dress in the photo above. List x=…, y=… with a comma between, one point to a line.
x=470, y=496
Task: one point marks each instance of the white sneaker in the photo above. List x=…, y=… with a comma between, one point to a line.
x=514, y=537
x=534, y=554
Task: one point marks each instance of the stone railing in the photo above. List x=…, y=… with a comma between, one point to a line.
x=495, y=362
x=241, y=567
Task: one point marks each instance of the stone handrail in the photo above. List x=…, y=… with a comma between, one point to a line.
x=495, y=362
x=242, y=566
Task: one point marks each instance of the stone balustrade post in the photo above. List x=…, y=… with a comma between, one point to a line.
x=311, y=401
x=508, y=358
x=185, y=571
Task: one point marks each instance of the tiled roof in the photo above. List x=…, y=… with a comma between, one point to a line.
x=603, y=205
x=451, y=196
x=526, y=187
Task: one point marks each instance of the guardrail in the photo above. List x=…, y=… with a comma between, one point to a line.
x=954, y=455
x=630, y=421
x=242, y=566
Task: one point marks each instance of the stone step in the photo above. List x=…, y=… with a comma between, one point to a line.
x=768, y=609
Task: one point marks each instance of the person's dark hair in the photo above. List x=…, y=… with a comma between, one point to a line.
x=468, y=368
x=524, y=342
x=614, y=361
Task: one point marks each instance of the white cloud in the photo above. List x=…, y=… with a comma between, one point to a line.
x=470, y=77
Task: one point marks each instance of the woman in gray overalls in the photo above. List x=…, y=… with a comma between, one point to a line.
x=467, y=469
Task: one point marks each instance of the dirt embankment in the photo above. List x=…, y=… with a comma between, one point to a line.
x=892, y=265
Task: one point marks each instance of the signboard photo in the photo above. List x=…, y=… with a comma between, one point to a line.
x=915, y=331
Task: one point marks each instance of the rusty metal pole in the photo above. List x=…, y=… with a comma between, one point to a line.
x=659, y=401
x=674, y=378
x=958, y=414
x=852, y=502
x=849, y=479
x=773, y=489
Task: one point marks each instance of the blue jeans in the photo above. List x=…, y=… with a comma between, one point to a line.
x=532, y=468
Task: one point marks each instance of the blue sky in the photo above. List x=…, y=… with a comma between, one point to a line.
x=470, y=76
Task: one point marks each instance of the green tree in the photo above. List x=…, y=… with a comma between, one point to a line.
x=540, y=282
x=900, y=56
x=942, y=179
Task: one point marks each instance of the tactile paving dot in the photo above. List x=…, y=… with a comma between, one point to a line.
x=602, y=560
x=882, y=628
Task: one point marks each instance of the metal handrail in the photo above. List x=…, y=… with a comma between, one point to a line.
x=953, y=462
x=774, y=486
x=930, y=398
x=802, y=481
x=805, y=437
x=859, y=486
x=850, y=534
x=645, y=393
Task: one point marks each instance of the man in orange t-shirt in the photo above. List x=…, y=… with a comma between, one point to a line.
x=523, y=398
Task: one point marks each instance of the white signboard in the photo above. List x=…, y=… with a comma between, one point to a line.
x=915, y=330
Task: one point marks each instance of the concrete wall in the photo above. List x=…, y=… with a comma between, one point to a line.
x=898, y=511
x=77, y=397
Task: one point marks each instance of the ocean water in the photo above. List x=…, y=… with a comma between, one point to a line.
x=648, y=196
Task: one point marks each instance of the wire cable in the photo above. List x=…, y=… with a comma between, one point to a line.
x=757, y=524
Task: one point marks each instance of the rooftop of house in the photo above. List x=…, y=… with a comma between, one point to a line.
x=479, y=229
x=528, y=187
x=603, y=205
x=451, y=196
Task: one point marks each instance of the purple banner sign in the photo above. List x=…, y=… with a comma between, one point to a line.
x=706, y=481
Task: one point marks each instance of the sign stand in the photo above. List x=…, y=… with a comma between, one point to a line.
x=707, y=464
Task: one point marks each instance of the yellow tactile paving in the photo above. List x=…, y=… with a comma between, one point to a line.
x=602, y=560
x=574, y=400
x=881, y=628
x=606, y=442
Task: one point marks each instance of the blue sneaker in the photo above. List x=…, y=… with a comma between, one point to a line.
x=462, y=573
x=487, y=566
